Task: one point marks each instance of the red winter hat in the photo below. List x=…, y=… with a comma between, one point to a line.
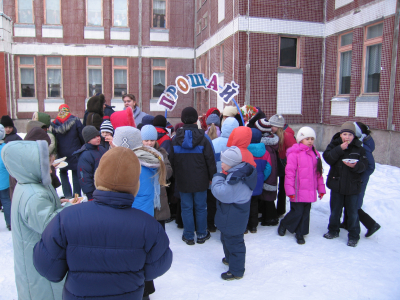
x=212, y=110
x=123, y=118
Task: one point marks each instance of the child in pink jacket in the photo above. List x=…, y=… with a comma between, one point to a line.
x=303, y=178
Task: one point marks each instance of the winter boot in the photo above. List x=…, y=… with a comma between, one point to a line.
x=281, y=230
x=188, y=242
x=229, y=276
x=331, y=235
x=372, y=230
x=225, y=262
x=204, y=239
x=352, y=243
x=300, y=239
x=271, y=222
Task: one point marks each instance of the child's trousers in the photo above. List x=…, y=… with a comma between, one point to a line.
x=235, y=253
x=297, y=220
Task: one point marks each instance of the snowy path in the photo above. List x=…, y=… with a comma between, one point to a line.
x=276, y=267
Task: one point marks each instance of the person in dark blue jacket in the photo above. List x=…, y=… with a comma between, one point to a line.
x=107, y=247
x=88, y=159
x=233, y=188
x=68, y=132
x=364, y=135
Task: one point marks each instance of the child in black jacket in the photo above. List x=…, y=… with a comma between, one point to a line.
x=347, y=160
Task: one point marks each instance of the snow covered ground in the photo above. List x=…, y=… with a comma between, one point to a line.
x=277, y=267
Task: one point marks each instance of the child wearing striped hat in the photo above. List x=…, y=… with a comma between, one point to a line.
x=107, y=133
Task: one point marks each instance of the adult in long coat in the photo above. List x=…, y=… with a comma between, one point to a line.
x=68, y=131
x=95, y=108
x=35, y=204
x=116, y=248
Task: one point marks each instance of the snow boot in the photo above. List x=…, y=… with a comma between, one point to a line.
x=204, y=239
x=300, y=239
x=372, y=230
x=331, y=235
x=271, y=222
x=225, y=262
x=352, y=243
x=281, y=230
x=229, y=276
x=188, y=242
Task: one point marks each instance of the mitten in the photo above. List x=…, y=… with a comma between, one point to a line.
x=291, y=196
x=320, y=195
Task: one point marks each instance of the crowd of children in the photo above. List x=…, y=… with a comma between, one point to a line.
x=223, y=174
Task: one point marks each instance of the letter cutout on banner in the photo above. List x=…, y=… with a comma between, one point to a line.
x=213, y=83
x=196, y=80
x=168, y=103
x=182, y=84
x=230, y=91
x=172, y=91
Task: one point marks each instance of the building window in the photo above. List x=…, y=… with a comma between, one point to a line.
x=94, y=76
x=159, y=13
x=120, y=13
x=159, y=70
x=205, y=20
x=120, y=78
x=94, y=12
x=27, y=76
x=221, y=10
x=25, y=11
x=53, y=12
x=199, y=26
x=221, y=59
x=344, y=69
x=288, y=52
x=54, y=77
x=372, y=60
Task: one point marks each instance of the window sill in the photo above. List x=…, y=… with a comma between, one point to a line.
x=290, y=70
x=94, y=32
x=159, y=35
x=118, y=103
x=120, y=33
x=368, y=98
x=367, y=106
x=340, y=106
x=340, y=99
x=52, y=104
x=154, y=106
x=24, y=30
x=52, y=31
x=27, y=104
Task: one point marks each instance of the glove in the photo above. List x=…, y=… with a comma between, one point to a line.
x=292, y=196
x=320, y=195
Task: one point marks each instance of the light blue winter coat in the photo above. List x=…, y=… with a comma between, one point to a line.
x=220, y=142
x=4, y=176
x=35, y=203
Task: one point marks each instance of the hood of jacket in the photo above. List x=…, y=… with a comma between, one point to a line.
x=228, y=126
x=189, y=136
x=369, y=143
x=44, y=118
x=36, y=134
x=58, y=127
x=243, y=172
x=257, y=149
x=95, y=104
x=27, y=161
x=296, y=148
x=14, y=131
x=114, y=199
x=240, y=137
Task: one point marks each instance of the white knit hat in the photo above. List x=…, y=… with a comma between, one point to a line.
x=231, y=156
x=128, y=137
x=305, y=132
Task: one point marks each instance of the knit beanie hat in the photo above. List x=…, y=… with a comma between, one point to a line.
x=149, y=133
x=256, y=136
x=230, y=111
x=213, y=110
x=160, y=120
x=2, y=132
x=89, y=132
x=277, y=121
x=127, y=137
x=148, y=120
x=213, y=119
x=231, y=156
x=305, y=132
x=189, y=115
x=348, y=127
x=107, y=127
x=123, y=118
x=263, y=125
x=6, y=121
x=118, y=170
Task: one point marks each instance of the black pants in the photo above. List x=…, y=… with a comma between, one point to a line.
x=268, y=210
x=148, y=288
x=253, y=216
x=178, y=219
x=365, y=219
x=211, y=209
x=281, y=203
x=297, y=219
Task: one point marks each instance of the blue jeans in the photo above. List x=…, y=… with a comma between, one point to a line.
x=235, y=253
x=199, y=201
x=66, y=186
x=349, y=202
x=6, y=202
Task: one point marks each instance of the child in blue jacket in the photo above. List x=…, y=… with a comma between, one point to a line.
x=233, y=188
x=88, y=159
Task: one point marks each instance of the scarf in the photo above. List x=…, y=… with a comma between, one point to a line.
x=63, y=113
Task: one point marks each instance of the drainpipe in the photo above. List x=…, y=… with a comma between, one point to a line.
x=390, y=125
x=247, y=95
x=322, y=77
x=140, y=54
x=195, y=45
x=9, y=82
x=13, y=110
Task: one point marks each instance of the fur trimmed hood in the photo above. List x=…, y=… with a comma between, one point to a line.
x=95, y=104
x=58, y=127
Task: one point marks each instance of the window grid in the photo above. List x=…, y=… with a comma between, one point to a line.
x=55, y=19
x=155, y=22
x=126, y=15
x=96, y=86
x=340, y=90
x=51, y=68
x=29, y=90
x=93, y=18
x=368, y=43
x=122, y=88
x=297, y=52
x=158, y=68
x=24, y=19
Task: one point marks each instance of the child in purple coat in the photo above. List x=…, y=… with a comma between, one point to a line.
x=303, y=178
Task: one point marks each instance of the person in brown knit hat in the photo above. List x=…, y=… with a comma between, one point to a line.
x=112, y=247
